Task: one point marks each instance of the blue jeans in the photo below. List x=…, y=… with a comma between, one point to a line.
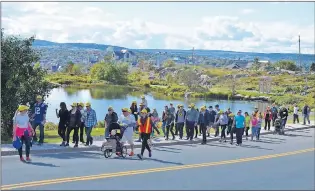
x=41, y=131
x=106, y=132
x=254, y=131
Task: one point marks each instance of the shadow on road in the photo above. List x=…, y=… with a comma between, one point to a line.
x=296, y=135
x=77, y=155
x=220, y=145
x=41, y=164
x=164, y=150
x=148, y=159
x=171, y=148
x=255, y=147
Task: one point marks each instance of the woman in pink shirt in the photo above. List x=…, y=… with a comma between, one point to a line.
x=23, y=130
x=254, y=123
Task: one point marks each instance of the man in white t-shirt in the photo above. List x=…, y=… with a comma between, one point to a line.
x=295, y=114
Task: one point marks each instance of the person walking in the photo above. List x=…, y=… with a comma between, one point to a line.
x=81, y=108
x=274, y=113
x=22, y=131
x=180, y=120
x=145, y=126
x=296, y=114
x=128, y=123
x=306, y=114
x=247, y=124
x=254, y=123
x=74, y=124
x=63, y=116
x=217, y=110
x=110, y=117
x=144, y=102
x=134, y=110
x=176, y=125
x=268, y=118
x=203, y=120
x=170, y=124
x=231, y=127
x=239, y=121
x=212, y=115
x=191, y=120
x=39, y=118
x=259, y=124
x=223, y=121
x=196, y=125
x=164, y=119
x=284, y=113
x=90, y=123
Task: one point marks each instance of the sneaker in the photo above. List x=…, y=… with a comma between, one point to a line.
x=150, y=154
x=139, y=156
x=62, y=144
x=67, y=145
x=173, y=138
x=220, y=140
x=39, y=144
x=131, y=154
x=237, y=145
x=225, y=141
x=22, y=159
x=28, y=159
x=75, y=146
x=231, y=143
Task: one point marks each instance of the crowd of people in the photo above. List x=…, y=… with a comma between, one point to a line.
x=141, y=120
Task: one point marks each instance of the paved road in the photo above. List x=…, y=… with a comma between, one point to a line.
x=277, y=162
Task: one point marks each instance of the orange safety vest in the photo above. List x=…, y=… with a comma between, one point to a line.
x=146, y=127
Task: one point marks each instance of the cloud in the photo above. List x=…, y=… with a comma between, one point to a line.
x=247, y=11
x=79, y=22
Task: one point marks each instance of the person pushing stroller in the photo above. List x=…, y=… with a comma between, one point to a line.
x=279, y=129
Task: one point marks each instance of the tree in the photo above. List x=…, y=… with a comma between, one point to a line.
x=312, y=68
x=169, y=63
x=188, y=77
x=256, y=64
x=20, y=81
x=36, y=65
x=287, y=65
x=114, y=73
x=76, y=69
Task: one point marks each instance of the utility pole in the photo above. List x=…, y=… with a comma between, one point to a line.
x=300, y=53
x=192, y=57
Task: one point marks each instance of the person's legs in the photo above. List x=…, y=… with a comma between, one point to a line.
x=258, y=133
x=27, y=143
x=34, y=125
x=163, y=128
x=204, y=134
x=88, y=131
x=41, y=133
x=76, y=135
x=167, y=131
x=82, y=133
x=20, y=150
x=171, y=129
x=200, y=130
x=241, y=137
x=196, y=129
x=294, y=118
x=239, y=134
x=308, y=119
x=176, y=129
x=192, y=131
x=180, y=129
x=69, y=129
x=269, y=121
x=266, y=121
x=274, y=116
x=60, y=131
x=246, y=132
x=232, y=134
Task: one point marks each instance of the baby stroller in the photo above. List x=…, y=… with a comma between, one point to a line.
x=278, y=127
x=113, y=144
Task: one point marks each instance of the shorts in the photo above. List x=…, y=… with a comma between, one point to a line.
x=129, y=140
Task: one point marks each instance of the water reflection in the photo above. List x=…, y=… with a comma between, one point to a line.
x=120, y=97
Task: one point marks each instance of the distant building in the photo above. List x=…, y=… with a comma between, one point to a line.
x=123, y=55
x=233, y=66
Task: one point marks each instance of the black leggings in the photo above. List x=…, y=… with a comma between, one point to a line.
x=75, y=134
x=62, y=131
x=145, y=137
x=246, y=131
x=27, y=142
x=168, y=129
x=223, y=127
x=267, y=122
x=196, y=129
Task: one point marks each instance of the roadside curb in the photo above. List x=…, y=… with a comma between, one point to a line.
x=97, y=148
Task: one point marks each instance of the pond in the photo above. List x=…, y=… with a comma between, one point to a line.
x=119, y=97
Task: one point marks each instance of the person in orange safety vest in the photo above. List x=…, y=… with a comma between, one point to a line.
x=145, y=128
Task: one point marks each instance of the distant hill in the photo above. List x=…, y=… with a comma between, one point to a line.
x=46, y=43
x=306, y=59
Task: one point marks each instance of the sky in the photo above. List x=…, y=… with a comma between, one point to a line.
x=233, y=26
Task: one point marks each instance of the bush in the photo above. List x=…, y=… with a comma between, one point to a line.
x=50, y=126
